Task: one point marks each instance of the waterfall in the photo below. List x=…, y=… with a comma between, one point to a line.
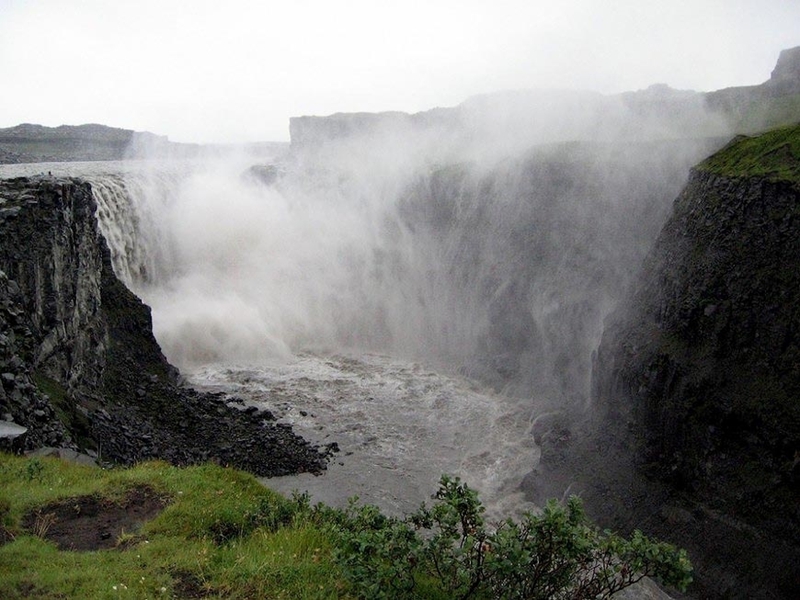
x=284, y=289
x=501, y=271
x=127, y=209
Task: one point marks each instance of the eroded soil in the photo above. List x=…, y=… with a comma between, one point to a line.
x=92, y=523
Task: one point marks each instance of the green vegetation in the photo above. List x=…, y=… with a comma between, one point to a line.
x=222, y=534
x=774, y=154
x=556, y=554
x=67, y=410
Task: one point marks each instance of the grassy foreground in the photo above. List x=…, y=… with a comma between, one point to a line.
x=221, y=534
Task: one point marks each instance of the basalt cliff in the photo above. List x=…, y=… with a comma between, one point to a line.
x=695, y=434
x=78, y=361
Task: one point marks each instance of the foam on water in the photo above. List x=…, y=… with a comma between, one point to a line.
x=291, y=290
x=399, y=427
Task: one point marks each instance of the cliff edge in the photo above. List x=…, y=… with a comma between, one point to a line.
x=698, y=373
x=78, y=361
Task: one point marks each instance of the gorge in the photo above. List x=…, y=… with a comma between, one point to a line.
x=521, y=263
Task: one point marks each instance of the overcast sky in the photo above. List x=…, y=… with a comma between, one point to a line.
x=232, y=70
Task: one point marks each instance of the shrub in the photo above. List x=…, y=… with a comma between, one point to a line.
x=448, y=551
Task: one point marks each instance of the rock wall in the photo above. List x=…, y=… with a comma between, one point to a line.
x=21, y=403
x=80, y=364
x=698, y=377
x=709, y=341
x=785, y=78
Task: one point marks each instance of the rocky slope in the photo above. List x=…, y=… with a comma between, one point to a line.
x=698, y=373
x=79, y=362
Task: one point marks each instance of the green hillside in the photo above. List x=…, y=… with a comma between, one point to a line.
x=774, y=155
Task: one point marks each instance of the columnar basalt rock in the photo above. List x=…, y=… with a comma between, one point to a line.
x=80, y=365
x=698, y=373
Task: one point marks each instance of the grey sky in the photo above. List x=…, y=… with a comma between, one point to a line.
x=232, y=70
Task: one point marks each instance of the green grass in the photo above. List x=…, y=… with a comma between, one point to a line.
x=774, y=155
x=222, y=534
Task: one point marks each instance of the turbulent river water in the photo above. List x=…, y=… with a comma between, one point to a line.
x=399, y=424
x=421, y=312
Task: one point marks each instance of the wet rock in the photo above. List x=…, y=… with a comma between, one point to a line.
x=89, y=341
x=702, y=360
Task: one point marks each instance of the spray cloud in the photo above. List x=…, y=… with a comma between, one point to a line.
x=492, y=238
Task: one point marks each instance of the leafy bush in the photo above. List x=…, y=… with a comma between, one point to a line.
x=448, y=551
x=224, y=535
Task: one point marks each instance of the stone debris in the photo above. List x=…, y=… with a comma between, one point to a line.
x=79, y=366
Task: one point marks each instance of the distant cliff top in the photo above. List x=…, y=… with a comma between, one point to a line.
x=786, y=75
x=28, y=143
x=90, y=131
x=526, y=117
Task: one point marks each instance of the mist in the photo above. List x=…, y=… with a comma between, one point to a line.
x=489, y=240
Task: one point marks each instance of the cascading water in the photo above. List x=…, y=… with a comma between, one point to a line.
x=294, y=293
x=241, y=278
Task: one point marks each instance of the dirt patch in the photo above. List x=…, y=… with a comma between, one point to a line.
x=187, y=585
x=91, y=522
x=5, y=536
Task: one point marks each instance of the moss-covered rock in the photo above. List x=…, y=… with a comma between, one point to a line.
x=774, y=155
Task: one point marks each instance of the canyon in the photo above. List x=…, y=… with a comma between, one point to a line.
x=618, y=269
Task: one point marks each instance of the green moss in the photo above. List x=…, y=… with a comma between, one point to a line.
x=774, y=155
x=73, y=419
x=51, y=388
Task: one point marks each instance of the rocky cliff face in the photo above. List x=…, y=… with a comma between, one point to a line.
x=785, y=78
x=698, y=373
x=80, y=364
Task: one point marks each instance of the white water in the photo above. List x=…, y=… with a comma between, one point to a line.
x=293, y=294
x=398, y=424
x=238, y=290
